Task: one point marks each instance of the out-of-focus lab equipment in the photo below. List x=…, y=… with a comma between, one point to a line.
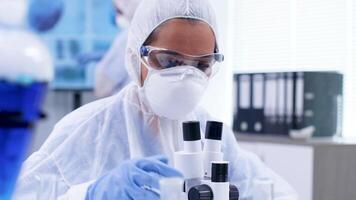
x=83, y=28
x=25, y=69
x=73, y=31
x=299, y=104
x=43, y=15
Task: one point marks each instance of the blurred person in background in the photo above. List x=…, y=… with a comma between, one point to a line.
x=111, y=75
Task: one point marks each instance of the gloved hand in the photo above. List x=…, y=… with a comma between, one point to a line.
x=132, y=180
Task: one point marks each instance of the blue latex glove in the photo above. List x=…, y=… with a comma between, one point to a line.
x=129, y=180
x=44, y=14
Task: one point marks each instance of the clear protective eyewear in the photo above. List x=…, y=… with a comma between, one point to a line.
x=160, y=58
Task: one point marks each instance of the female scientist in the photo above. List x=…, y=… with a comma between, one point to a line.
x=105, y=150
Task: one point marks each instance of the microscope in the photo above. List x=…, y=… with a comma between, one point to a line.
x=205, y=173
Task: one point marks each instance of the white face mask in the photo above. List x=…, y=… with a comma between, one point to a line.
x=175, y=92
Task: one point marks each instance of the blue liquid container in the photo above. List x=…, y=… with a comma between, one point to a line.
x=19, y=110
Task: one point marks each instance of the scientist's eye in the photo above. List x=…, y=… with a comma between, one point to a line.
x=203, y=66
x=164, y=59
x=172, y=63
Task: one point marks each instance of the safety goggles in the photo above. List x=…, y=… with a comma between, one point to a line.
x=160, y=58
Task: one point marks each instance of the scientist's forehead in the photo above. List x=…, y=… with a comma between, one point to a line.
x=185, y=35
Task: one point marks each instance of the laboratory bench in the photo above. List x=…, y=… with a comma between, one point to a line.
x=318, y=168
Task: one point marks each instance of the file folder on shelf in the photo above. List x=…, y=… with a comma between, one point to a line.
x=250, y=113
x=322, y=105
x=270, y=108
x=275, y=103
x=289, y=101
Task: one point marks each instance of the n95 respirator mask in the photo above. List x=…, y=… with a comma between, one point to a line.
x=175, y=92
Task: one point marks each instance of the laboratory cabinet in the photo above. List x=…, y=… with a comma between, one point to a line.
x=318, y=169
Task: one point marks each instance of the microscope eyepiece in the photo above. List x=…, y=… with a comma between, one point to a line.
x=213, y=130
x=191, y=131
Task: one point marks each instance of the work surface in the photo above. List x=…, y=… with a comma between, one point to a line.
x=327, y=141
